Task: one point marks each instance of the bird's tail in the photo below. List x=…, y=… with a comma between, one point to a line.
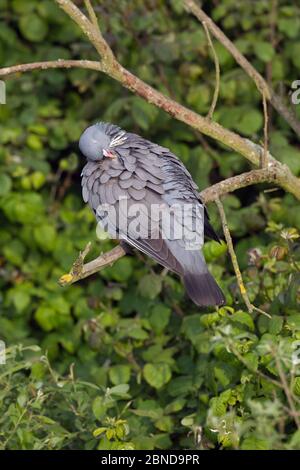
x=203, y=289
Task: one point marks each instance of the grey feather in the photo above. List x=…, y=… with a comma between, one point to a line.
x=85, y=193
x=125, y=184
x=104, y=178
x=137, y=194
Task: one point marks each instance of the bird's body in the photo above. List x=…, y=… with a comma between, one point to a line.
x=124, y=166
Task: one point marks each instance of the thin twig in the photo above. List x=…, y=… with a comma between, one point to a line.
x=80, y=270
x=92, y=14
x=286, y=389
x=233, y=183
x=217, y=70
x=92, y=31
x=264, y=160
x=51, y=64
x=235, y=263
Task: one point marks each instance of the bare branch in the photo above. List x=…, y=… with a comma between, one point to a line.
x=261, y=84
x=80, y=270
x=92, y=15
x=217, y=70
x=52, y=64
x=90, y=30
x=264, y=158
x=236, y=182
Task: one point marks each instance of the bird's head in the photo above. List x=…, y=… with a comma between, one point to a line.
x=98, y=141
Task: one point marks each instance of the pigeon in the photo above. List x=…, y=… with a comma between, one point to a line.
x=122, y=166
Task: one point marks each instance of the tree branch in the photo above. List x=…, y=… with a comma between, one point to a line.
x=52, y=64
x=264, y=159
x=217, y=72
x=90, y=30
x=229, y=185
x=261, y=84
x=92, y=15
x=80, y=270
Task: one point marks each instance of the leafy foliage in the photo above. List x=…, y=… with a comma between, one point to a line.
x=134, y=364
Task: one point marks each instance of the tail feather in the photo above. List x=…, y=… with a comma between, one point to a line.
x=203, y=289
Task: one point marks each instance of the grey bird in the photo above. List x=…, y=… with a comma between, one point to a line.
x=124, y=165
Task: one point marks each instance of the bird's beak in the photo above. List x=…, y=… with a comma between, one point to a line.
x=108, y=153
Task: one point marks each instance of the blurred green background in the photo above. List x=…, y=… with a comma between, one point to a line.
x=125, y=352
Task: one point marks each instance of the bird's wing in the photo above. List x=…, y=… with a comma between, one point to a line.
x=179, y=178
x=124, y=185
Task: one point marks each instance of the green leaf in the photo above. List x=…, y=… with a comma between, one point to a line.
x=291, y=157
x=157, y=375
x=250, y=122
x=121, y=271
x=45, y=236
x=99, y=409
x=150, y=286
x=99, y=431
x=159, y=317
x=165, y=424
x=22, y=7
x=46, y=317
x=120, y=390
x=21, y=299
x=294, y=321
x=143, y=113
x=243, y=318
x=296, y=386
x=213, y=250
x=188, y=421
x=119, y=374
x=218, y=406
x=251, y=360
x=289, y=26
x=25, y=208
x=264, y=51
x=33, y=27
x=5, y=184
x=275, y=325
x=137, y=333
x=222, y=375
x=38, y=179
x=175, y=406
x=14, y=252
x=255, y=443
x=34, y=142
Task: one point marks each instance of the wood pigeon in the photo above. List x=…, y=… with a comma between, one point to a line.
x=122, y=166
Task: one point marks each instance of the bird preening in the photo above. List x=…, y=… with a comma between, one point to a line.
x=124, y=166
